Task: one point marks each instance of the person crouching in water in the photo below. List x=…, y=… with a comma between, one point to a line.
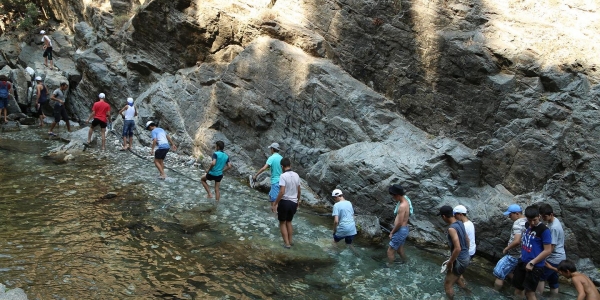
x=161, y=139
x=220, y=163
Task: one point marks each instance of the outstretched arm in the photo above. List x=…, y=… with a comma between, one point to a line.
x=260, y=171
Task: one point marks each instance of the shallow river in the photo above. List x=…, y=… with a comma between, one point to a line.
x=60, y=238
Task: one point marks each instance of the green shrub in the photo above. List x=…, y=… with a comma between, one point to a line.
x=119, y=21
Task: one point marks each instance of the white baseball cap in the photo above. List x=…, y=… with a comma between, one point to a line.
x=149, y=123
x=336, y=192
x=42, y=32
x=130, y=100
x=38, y=78
x=459, y=209
x=101, y=96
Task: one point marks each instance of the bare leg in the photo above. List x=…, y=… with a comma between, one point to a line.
x=124, y=143
x=42, y=116
x=519, y=294
x=51, y=64
x=205, y=185
x=391, y=254
x=290, y=231
x=159, y=165
x=284, y=233
x=52, y=126
x=449, y=282
x=5, y=120
x=68, y=125
x=217, y=191
x=103, y=132
x=530, y=295
x=130, y=142
x=401, y=252
x=498, y=284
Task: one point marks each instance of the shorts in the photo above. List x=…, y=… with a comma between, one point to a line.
x=97, y=122
x=505, y=266
x=3, y=103
x=286, y=210
x=399, y=238
x=128, y=127
x=550, y=276
x=348, y=239
x=527, y=280
x=60, y=111
x=161, y=153
x=460, y=266
x=274, y=192
x=213, y=177
x=48, y=53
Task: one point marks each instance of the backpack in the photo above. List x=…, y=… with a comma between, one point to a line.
x=4, y=89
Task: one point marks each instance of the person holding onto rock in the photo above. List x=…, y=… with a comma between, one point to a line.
x=58, y=96
x=47, y=50
x=536, y=245
x=460, y=213
x=586, y=290
x=161, y=139
x=399, y=233
x=557, y=255
x=287, y=201
x=129, y=112
x=344, y=227
x=100, y=114
x=512, y=252
x=5, y=90
x=274, y=164
x=41, y=99
x=459, y=248
x=220, y=163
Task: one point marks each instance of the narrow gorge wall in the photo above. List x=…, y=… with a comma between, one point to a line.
x=470, y=102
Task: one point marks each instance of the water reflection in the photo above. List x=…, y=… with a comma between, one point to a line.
x=63, y=237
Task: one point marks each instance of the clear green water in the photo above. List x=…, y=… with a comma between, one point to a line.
x=59, y=239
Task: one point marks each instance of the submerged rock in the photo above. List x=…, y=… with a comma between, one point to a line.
x=12, y=294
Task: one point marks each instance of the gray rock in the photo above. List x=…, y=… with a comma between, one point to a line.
x=368, y=227
x=12, y=294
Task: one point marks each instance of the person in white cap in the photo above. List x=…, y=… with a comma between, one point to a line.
x=100, y=114
x=274, y=163
x=344, y=227
x=161, y=139
x=41, y=99
x=460, y=213
x=129, y=112
x=47, y=49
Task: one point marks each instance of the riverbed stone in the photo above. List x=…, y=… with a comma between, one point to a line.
x=12, y=294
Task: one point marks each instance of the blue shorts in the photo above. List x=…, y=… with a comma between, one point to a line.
x=550, y=276
x=505, y=266
x=399, y=238
x=348, y=239
x=128, y=126
x=274, y=192
x=3, y=103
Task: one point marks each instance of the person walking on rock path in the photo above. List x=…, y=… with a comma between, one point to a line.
x=399, y=233
x=58, y=96
x=586, y=290
x=557, y=255
x=100, y=114
x=344, y=227
x=161, y=139
x=459, y=248
x=287, y=201
x=274, y=164
x=460, y=213
x=129, y=112
x=220, y=163
x=41, y=99
x=47, y=50
x=512, y=252
x=5, y=90
x=536, y=245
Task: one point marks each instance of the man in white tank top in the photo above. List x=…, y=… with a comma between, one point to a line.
x=128, y=113
x=47, y=49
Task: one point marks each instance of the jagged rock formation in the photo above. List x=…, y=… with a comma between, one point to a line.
x=460, y=101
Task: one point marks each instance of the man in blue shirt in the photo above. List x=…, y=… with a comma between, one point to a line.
x=536, y=245
x=220, y=163
x=344, y=227
x=162, y=139
x=274, y=163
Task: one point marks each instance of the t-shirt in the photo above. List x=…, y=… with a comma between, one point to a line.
x=345, y=213
x=291, y=181
x=470, y=229
x=274, y=162
x=221, y=159
x=58, y=93
x=533, y=241
x=517, y=228
x=464, y=249
x=160, y=136
x=558, y=240
x=100, y=109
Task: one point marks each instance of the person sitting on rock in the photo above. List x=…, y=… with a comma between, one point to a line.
x=47, y=50
x=5, y=90
x=60, y=111
x=344, y=227
x=161, y=139
x=128, y=123
x=101, y=114
x=220, y=163
x=41, y=99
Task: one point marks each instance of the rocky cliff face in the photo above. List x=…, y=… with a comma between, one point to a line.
x=471, y=102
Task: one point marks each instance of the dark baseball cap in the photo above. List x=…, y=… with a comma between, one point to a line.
x=446, y=210
x=396, y=189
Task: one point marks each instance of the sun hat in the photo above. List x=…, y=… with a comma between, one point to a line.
x=513, y=208
x=336, y=192
x=275, y=146
x=101, y=96
x=459, y=209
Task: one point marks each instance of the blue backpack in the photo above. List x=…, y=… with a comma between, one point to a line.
x=4, y=89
